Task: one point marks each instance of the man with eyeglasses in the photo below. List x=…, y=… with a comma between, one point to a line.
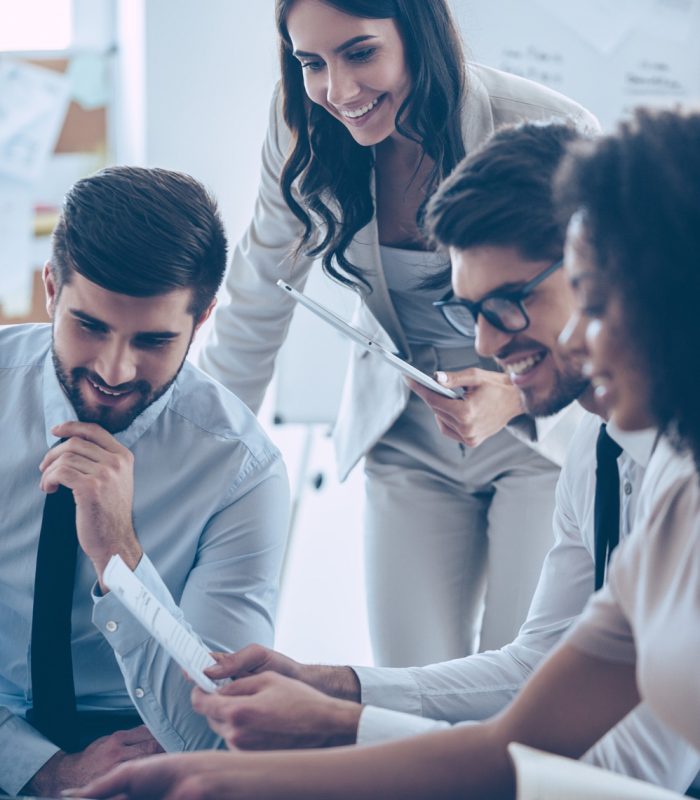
x=504, y=309
x=505, y=246
x=548, y=381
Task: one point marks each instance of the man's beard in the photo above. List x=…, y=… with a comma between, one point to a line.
x=569, y=386
x=111, y=419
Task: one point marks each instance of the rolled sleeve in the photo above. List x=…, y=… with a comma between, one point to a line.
x=228, y=600
x=121, y=629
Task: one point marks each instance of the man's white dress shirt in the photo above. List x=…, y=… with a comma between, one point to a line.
x=407, y=701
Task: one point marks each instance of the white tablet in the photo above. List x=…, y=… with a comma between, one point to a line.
x=369, y=344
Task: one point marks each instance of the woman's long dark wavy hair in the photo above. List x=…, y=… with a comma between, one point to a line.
x=638, y=190
x=327, y=175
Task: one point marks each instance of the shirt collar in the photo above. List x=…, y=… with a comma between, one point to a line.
x=58, y=408
x=638, y=445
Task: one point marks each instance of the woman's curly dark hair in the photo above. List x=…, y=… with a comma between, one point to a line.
x=327, y=173
x=639, y=190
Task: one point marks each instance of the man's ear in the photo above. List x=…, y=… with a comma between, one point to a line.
x=204, y=316
x=50, y=288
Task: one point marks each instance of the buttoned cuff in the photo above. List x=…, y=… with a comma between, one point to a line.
x=24, y=753
x=383, y=725
x=117, y=624
x=392, y=688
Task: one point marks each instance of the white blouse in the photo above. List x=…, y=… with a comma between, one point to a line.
x=648, y=614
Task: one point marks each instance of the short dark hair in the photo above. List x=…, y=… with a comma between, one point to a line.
x=501, y=194
x=141, y=232
x=638, y=190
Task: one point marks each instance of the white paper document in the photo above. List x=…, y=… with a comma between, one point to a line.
x=16, y=215
x=185, y=648
x=33, y=104
x=543, y=776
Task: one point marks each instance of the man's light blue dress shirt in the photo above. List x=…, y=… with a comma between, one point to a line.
x=211, y=513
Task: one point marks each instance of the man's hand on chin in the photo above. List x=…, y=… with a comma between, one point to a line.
x=100, y=472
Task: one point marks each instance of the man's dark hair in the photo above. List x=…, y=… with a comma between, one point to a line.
x=638, y=191
x=501, y=195
x=141, y=232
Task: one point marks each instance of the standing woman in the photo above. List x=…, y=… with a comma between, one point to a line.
x=375, y=107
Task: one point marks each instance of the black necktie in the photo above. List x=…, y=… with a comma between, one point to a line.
x=53, y=694
x=606, y=511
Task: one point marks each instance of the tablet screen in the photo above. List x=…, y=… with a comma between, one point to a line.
x=368, y=343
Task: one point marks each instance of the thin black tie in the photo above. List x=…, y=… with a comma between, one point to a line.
x=606, y=512
x=53, y=692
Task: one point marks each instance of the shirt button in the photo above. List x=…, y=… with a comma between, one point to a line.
x=139, y=692
x=628, y=488
x=111, y=626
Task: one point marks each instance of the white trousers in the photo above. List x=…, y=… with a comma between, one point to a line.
x=448, y=531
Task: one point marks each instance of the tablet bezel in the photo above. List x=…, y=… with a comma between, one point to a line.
x=369, y=344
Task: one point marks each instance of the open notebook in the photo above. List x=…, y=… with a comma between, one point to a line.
x=543, y=776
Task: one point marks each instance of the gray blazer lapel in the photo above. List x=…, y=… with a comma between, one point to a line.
x=477, y=113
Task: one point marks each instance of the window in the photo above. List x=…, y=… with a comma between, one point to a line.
x=36, y=25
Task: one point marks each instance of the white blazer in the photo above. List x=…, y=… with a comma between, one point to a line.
x=249, y=331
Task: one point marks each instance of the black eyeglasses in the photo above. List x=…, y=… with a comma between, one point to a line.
x=503, y=310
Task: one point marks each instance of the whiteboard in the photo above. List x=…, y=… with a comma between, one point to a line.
x=609, y=55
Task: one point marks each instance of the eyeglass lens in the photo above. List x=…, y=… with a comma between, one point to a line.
x=502, y=313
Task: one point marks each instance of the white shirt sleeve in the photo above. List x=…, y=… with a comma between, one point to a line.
x=383, y=725
x=478, y=686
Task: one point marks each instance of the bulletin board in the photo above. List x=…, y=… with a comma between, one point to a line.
x=32, y=185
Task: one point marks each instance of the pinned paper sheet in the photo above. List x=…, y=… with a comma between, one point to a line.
x=33, y=105
x=88, y=74
x=16, y=215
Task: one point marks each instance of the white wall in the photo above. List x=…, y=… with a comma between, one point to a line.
x=206, y=75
